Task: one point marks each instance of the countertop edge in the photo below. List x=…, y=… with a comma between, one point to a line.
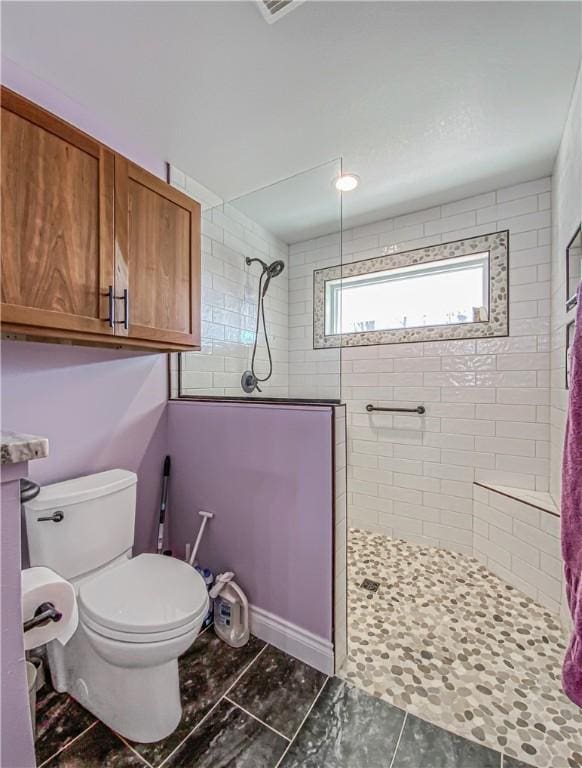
x=20, y=447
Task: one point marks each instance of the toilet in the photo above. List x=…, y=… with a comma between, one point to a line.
x=137, y=615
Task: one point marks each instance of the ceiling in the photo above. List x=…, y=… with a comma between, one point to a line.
x=425, y=101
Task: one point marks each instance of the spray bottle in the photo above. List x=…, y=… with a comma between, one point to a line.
x=231, y=611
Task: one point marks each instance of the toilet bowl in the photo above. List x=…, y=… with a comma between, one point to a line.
x=137, y=615
x=135, y=619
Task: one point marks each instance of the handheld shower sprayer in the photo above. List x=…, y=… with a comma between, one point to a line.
x=250, y=381
x=273, y=270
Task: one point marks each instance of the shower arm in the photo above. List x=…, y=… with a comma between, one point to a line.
x=250, y=261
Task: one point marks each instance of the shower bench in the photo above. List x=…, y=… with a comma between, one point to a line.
x=516, y=534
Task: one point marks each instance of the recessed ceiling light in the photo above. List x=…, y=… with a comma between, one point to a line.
x=347, y=182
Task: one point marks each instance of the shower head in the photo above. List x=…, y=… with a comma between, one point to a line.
x=273, y=269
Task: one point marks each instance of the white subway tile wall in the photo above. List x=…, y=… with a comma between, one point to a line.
x=567, y=204
x=313, y=373
x=487, y=401
x=229, y=307
x=495, y=408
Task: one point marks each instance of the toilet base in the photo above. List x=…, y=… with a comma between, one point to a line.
x=140, y=703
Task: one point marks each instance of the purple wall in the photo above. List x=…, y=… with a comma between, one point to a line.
x=57, y=102
x=251, y=465
x=266, y=473
x=99, y=408
x=16, y=745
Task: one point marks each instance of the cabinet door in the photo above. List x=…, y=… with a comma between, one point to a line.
x=157, y=259
x=57, y=222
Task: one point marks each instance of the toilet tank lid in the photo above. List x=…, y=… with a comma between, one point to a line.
x=81, y=489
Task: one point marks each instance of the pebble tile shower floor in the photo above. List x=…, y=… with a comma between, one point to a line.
x=445, y=639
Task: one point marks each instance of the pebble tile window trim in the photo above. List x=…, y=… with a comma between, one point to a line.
x=448, y=641
x=497, y=244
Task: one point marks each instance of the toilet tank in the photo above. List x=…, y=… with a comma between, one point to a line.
x=97, y=525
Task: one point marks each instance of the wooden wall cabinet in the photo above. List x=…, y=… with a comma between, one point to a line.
x=94, y=249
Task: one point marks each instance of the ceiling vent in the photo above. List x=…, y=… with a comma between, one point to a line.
x=273, y=10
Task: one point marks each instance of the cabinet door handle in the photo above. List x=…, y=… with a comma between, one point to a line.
x=126, y=308
x=111, y=307
x=125, y=298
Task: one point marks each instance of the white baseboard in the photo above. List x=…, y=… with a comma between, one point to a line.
x=298, y=642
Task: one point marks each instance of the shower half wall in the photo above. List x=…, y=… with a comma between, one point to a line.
x=266, y=476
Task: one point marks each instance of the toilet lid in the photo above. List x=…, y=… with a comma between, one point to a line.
x=149, y=593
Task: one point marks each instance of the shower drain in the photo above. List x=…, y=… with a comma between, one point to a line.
x=371, y=586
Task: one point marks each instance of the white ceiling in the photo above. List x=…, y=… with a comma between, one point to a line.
x=422, y=100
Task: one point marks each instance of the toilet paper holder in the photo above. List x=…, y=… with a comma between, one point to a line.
x=44, y=613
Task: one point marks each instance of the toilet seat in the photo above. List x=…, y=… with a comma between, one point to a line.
x=140, y=637
x=146, y=599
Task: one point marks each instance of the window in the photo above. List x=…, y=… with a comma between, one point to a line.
x=440, y=293
x=455, y=290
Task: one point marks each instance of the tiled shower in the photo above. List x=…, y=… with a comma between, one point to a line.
x=487, y=400
x=469, y=487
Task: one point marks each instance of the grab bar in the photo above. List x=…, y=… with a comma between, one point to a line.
x=420, y=409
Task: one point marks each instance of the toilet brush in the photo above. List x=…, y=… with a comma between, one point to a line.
x=206, y=516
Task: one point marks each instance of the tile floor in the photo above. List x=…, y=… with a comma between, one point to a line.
x=257, y=707
x=446, y=640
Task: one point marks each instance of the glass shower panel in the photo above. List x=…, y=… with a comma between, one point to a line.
x=259, y=253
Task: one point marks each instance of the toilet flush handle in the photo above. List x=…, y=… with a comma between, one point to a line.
x=56, y=517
